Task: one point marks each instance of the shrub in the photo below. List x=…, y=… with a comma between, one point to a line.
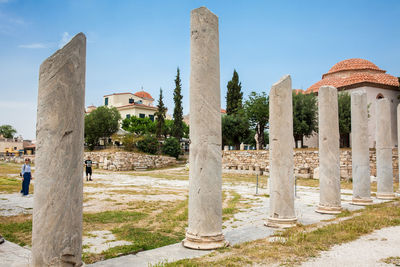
x=171, y=147
x=130, y=141
x=149, y=144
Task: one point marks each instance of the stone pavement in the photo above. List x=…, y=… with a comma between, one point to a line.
x=367, y=251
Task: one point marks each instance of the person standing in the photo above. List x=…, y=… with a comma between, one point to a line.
x=88, y=164
x=26, y=177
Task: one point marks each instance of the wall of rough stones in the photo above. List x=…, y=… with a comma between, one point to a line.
x=305, y=161
x=125, y=161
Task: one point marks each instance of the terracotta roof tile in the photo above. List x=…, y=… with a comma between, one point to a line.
x=143, y=94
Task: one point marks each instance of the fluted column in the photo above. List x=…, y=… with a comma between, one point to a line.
x=57, y=209
x=329, y=157
x=205, y=171
x=281, y=210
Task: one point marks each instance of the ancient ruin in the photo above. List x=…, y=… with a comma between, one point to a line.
x=57, y=212
x=360, y=151
x=329, y=161
x=205, y=170
x=384, y=166
x=282, y=213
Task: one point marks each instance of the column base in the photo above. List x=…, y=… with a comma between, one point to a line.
x=328, y=209
x=280, y=223
x=362, y=201
x=204, y=242
x=385, y=195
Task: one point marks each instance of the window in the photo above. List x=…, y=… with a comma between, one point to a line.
x=141, y=115
x=128, y=116
x=106, y=101
x=151, y=117
x=379, y=96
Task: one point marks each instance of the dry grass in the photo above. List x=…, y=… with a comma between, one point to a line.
x=301, y=242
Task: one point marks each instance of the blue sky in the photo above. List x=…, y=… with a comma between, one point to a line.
x=141, y=43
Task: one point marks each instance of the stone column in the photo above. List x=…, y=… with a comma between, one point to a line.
x=205, y=178
x=57, y=209
x=241, y=146
x=360, y=149
x=398, y=141
x=281, y=213
x=384, y=168
x=329, y=154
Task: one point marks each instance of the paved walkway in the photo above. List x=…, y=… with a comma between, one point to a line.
x=367, y=251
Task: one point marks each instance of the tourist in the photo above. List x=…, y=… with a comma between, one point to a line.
x=88, y=164
x=26, y=177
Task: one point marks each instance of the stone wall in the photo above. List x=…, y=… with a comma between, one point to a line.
x=305, y=161
x=125, y=161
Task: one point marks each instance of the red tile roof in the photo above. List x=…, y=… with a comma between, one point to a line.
x=223, y=111
x=299, y=91
x=368, y=74
x=143, y=94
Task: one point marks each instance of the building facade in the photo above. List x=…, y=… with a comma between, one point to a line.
x=139, y=104
x=360, y=74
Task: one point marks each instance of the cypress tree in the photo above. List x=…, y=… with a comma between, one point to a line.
x=234, y=95
x=160, y=116
x=177, y=129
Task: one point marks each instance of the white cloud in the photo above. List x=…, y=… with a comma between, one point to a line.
x=65, y=39
x=34, y=46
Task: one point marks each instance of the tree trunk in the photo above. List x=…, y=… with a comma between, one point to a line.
x=260, y=133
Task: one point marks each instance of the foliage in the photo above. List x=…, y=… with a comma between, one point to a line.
x=257, y=111
x=7, y=131
x=235, y=129
x=171, y=147
x=130, y=141
x=234, y=95
x=139, y=125
x=168, y=128
x=101, y=122
x=149, y=144
x=344, y=106
x=177, y=129
x=160, y=116
x=305, y=120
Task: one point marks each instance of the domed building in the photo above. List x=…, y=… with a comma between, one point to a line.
x=360, y=74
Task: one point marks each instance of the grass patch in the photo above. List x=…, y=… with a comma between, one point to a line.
x=10, y=185
x=392, y=260
x=10, y=168
x=113, y=217
x=303, y=242
x=17, y=229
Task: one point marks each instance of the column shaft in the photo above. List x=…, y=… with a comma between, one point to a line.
x=329, y=157
x=57, y=211
x=205, y=159
x=384, y=166
x=360, y=149
x=282, y=213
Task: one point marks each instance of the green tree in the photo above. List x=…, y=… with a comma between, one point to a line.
x=100, y=123
x=344, y=107
x=171, y=147
x=177, y=129
x=139, y=126
x=148, y=144
x=234, y=95
x=7, y=131
x=160, y=116
x=168, y=128
x=235, y=129
x=257, y=111
x=305, y=120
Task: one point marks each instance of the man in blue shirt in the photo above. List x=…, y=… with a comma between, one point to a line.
x=26, y=177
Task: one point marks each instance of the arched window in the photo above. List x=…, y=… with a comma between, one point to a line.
x=379, y=96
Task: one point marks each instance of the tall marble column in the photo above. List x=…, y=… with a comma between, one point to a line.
x=360, y=149
x=398, y=139
x=57, y=209
x=205, y=171
x=384, y=166
x=281, y=210
x=329, y=154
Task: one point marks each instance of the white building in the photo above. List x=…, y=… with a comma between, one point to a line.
x=360, y=74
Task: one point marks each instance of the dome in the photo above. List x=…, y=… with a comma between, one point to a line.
x=354, y=72
x=354, y=64
x=143, y=94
